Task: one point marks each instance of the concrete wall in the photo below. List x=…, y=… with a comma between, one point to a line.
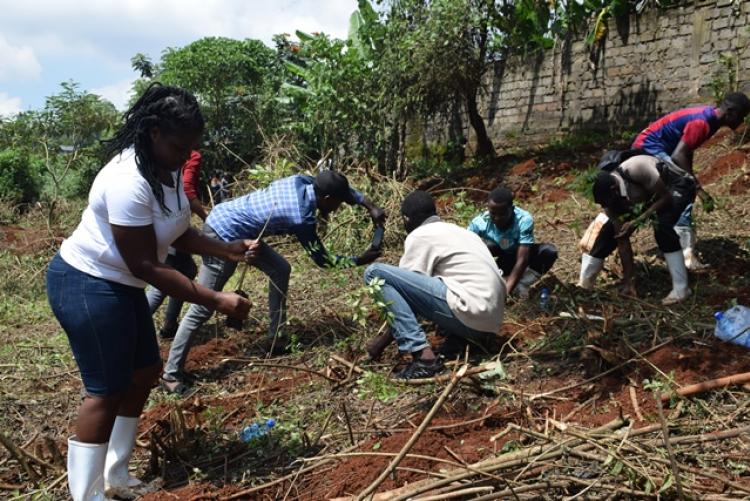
x=649, y=64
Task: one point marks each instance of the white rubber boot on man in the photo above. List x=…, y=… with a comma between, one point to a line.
x=687, y=242
x=590, y=268
x=680, y=290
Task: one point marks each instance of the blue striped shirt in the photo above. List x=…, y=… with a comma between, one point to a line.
x=289, y=206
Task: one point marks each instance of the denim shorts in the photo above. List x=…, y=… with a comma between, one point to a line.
x=108, y=325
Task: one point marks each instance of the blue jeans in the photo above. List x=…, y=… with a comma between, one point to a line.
x=409, y=294
x=686, y=217
x=108, y=325
x=214, y=274
x=183, y=263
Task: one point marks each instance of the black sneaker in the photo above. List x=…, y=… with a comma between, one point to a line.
x=422, y=369
x=168, y=333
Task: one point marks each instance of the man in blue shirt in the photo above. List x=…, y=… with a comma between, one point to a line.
x=289, y=206
x=508, y=232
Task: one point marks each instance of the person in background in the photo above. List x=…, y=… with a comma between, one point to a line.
x=673, y=139
x=217, y=187
x=180, y=261
x=136, y=209
x=446, y=275
x=642, y=180
x=508, y=232
x=288, y=206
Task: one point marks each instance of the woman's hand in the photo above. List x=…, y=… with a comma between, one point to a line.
x=232, y=305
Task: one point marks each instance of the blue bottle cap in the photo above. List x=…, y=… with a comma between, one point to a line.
x=718, y=315
x=271, y=422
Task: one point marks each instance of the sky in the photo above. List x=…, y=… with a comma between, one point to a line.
x=46, y=42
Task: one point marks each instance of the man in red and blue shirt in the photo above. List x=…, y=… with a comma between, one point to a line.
x=673, y=139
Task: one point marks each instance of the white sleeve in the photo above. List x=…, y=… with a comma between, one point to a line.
x=129, y=203
x=418, y=255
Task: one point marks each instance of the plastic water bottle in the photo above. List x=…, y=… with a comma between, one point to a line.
x=256, y=430
x=544, y=299
x=733, y=325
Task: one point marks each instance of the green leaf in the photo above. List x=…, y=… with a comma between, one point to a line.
x=667, y=483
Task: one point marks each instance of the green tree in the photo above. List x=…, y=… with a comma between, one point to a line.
x=68, y=133
x=235, y=83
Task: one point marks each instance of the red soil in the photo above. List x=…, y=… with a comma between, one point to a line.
x=24, y=240
x=524, y=168
x=741, y=185
x=723, y=166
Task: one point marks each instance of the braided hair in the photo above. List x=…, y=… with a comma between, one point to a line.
x=173, y=110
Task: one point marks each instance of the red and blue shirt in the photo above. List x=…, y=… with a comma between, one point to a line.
x=693, y=126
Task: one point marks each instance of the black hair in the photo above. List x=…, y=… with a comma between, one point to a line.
x=418, y=206
x=736, y=101
x=602, y=188
x=501, y=195
x=173, y=110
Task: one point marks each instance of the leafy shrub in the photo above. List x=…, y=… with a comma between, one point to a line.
x=20, y=179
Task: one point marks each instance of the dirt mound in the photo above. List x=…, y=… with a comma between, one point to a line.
x=741, y=185
x=27, y=240
x=723, y=166
x=523, y=168
x=470, y=443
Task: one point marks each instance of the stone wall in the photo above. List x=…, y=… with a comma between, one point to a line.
x=649, y=64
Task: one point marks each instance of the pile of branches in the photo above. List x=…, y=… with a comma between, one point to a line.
x=681, y=458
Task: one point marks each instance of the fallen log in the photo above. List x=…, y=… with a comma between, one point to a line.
x=711, y=384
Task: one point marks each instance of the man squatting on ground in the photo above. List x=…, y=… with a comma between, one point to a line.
x=641, y=179
x=674, y=137
x=446, y=275
x=180, y=261
x=289, y=206
x=508, y=232
x=136, y=209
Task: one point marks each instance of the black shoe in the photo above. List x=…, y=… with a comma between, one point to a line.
x=422, y=369
x=168, y=333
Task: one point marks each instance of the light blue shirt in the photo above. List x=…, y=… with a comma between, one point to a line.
x=520, y=232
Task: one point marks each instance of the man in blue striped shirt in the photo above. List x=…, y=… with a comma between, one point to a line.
x=288, y=206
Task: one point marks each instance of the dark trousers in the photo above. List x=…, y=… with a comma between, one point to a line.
x=683, y=193
x=541, y=259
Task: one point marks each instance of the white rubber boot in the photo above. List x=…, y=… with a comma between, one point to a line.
x=687, y=242
x=529, y=278
x=680, y=290
x=85, y=469
x=590, y=268
x=117, y=479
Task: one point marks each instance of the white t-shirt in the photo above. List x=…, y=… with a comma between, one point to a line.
x=476, y=289
x=121, y=196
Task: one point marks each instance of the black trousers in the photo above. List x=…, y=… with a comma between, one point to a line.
x=683, y=193
x=541, y=259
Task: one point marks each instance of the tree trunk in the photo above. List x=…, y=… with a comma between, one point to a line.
x=484, y=144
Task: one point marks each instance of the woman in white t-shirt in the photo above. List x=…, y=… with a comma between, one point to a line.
x=137, y=208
